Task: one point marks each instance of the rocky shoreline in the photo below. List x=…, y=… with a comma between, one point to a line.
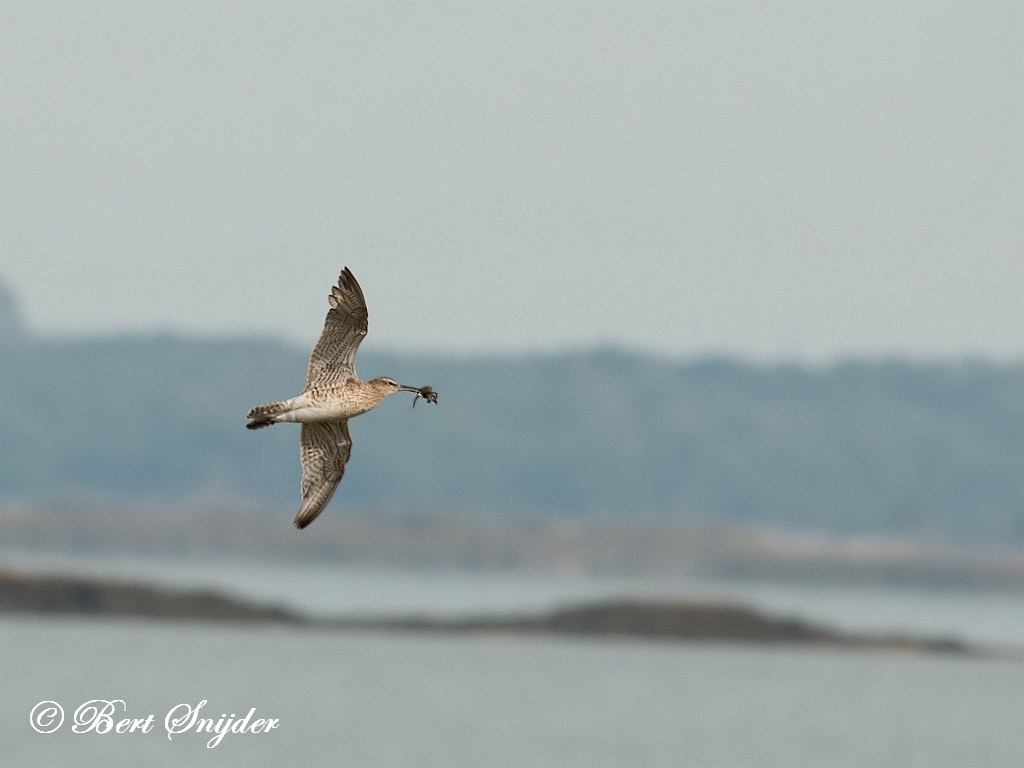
x=661, y=620
x=666, y=621
x=81, y=596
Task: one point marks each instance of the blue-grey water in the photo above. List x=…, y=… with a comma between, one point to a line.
x=365, y=699
x=354, y=699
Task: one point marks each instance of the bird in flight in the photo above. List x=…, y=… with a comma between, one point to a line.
x=334, y=394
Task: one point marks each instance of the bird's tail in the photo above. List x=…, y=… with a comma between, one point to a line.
x=264, y=415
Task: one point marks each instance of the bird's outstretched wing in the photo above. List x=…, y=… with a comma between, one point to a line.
x=324, y=449
x=334, y=357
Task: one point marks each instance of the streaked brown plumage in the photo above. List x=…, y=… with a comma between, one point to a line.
x=333, y=395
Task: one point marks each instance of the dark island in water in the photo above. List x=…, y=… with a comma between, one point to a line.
x=658, y=620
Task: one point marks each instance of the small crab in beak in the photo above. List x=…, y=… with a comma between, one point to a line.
x=427, y=394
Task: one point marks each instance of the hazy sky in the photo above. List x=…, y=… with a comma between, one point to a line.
x=771, y=180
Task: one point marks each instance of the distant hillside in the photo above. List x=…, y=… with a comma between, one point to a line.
x=888, y=448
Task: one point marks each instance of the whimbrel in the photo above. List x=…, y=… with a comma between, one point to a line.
x=333, y=395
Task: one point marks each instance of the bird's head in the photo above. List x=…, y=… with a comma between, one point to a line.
x=388, y=386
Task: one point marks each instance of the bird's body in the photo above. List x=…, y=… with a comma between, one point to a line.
x=343, y=401
x=334, y=394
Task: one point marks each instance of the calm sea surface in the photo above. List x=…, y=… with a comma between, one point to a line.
x=356, y=699
x=362, y=699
